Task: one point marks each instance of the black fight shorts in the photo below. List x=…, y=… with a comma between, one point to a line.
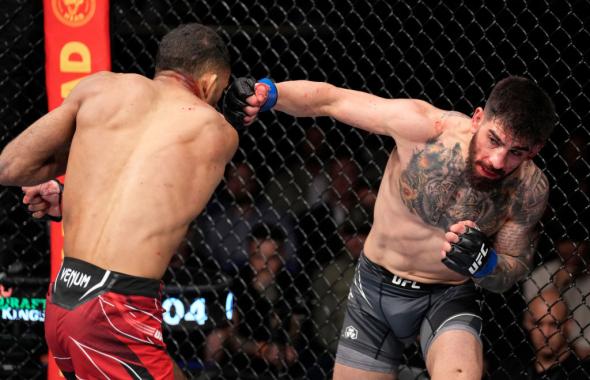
x=385, y=313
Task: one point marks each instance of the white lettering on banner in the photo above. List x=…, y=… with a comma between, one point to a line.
x=8, y=314
x=229, y=306
x=23, y=315
x=73, y=277
x=176, y=311
x=197, y=312
x=173, y=316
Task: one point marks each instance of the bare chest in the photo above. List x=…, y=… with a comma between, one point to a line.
x=434, y=186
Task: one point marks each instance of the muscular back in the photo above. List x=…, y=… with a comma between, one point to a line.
x=145, y=158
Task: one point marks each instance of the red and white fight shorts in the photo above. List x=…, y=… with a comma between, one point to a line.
x=101, y=324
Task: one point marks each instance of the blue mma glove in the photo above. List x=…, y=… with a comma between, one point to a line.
x=472, y=255
x=273, y=94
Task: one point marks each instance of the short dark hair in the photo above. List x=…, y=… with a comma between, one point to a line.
x=523, y=108
x=192, y=49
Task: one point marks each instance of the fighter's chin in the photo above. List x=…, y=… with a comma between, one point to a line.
x=489, y=174
x=484, y=182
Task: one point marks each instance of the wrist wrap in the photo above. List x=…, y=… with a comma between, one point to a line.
x=273, y=94
x=61, y=190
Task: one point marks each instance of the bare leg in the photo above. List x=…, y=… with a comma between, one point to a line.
x=342, y=372
x=457, y=355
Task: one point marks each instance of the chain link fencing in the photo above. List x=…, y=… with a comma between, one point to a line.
x=236, y=309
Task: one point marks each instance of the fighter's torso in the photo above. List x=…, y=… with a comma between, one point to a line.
x=434, y=186
x=140, y=169
x=425, y=190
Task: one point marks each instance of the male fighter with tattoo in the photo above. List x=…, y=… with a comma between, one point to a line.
x=457, y=205
x=141, y=158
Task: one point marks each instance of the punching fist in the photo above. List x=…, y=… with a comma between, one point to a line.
x=245, y=98
x=234, y=102
x=44, y=200
x=468, y=251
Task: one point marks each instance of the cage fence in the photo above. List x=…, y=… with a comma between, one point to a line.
x=309, y=184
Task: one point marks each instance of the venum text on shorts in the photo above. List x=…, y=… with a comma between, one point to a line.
x=72, y=277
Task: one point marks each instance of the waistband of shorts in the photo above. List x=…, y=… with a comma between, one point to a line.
x=85, y=278
x=398, y=281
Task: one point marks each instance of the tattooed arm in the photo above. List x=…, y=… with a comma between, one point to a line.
x=515, y=247
x=516, y=241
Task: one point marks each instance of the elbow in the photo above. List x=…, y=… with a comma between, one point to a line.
x=12, y=173
x=6, y=177
x=8, y=166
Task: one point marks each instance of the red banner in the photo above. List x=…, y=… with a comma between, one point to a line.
x=77, y=43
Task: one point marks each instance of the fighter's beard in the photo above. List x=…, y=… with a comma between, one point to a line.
x=478, y=182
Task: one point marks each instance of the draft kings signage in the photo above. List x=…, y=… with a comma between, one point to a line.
x=22, y=309
x=77, y=44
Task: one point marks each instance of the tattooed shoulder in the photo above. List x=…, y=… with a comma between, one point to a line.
x=530, y=199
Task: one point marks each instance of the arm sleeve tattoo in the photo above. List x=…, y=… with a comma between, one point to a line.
x=516, y=241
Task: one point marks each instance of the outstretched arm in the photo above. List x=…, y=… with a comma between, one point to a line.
x=40, y=152
x=402, y=119
x=410, y=119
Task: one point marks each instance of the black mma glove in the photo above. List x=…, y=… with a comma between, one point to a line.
x=235, y=101
x=472, y=255
x=59, y=217
x=50, y=193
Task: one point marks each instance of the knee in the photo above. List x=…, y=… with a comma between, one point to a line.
x=454, y=373
x=455, y=363
x=458, y=371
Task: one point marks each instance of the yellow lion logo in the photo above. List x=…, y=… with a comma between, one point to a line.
x=74, y=13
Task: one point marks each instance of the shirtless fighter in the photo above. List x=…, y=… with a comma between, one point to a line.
x=141, y=159
x=459, y=201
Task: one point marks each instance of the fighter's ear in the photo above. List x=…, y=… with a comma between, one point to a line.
x=477, y=119
x=208, y=85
